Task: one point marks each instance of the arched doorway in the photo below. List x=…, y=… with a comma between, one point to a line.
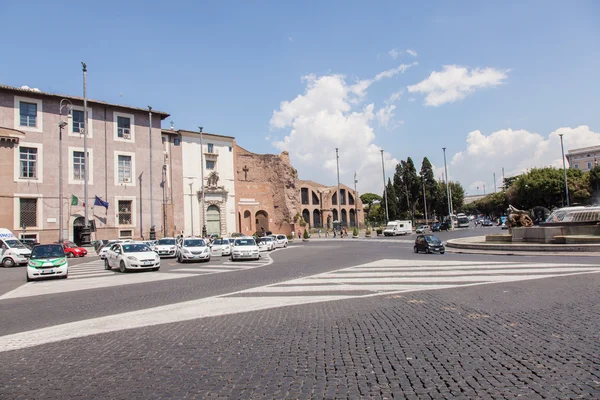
x=213, y=220
x=306, y=216
x=352, y=218
x=344, y=218
x=335, y=215
x=78, y=225
x=247, y=223
x=262, y=221
x=329, y=222
x=317, y=223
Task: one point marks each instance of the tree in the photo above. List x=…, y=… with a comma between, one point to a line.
x=431, y=187
x=595, y=182
x=407, y=185
x=492, y=204
x=368, y=199
x=458, y=197
x=392, y=201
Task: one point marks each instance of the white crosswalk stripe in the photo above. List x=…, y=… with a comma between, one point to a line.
x=405, y=275
x=227, y=266
x=89, y=269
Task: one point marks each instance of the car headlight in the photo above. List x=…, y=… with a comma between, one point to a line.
x=132, y=258
x=34, y=264
x=186, y=251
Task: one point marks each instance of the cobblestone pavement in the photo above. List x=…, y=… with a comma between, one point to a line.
x=533, y=339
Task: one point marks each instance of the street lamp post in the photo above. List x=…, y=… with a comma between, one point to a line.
x=164, y=184
x=564, y=169
x=387, y=215
x=85, y=232
x=64, y=103
x=191, y=207
x=152, y=230
x=424, y=200
x=447, y=189
x=202, y=184
x=355, y=202
x=339, y=201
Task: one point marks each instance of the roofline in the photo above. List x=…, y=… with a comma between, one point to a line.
x=162, y=114
x=196, y=133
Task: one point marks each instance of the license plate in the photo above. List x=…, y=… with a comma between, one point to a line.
x=148, y=263
x=49, y=271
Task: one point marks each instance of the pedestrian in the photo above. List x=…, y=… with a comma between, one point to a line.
x=334, y=234
x=293, y=234
x=299, y=235
x=327, y=232
x=319, y=233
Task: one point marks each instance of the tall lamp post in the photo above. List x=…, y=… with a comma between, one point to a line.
x=355, y=202
x=202, y=183
x=564, y=169
x=191, y=204
x=387, y=215
x=152, y=230
x=64, y=103
x=164, y=188
x=85, y=237
x=337, y=156
x=447, y=189
x=424, y=200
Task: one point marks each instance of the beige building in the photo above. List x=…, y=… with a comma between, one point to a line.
x=320, y=208
x=584, y=158
x=118, y=142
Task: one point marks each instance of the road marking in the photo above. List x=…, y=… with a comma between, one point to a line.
x=294, y=292
x=65, y=286
x=88, y=269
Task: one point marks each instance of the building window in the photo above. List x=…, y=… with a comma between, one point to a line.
x=304, y=195
x=230, y=149
x=28, y=209
x=125, y=212
x=124, y=167
x=78, y=121
x=211, y=148
x=589, y=165
x=210, y=164
x=343, y=197
x=78, y=165
x=124, y=127
x=28, y=158
x=28, y=114
x=576, y=166
x=126, y=233
x=176, y=141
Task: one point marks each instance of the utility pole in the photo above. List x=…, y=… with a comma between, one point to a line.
x=339, y=201
x=85, y=232
x=355, y=202
x=503, y=180
x=387, y=215
x=564, y=169
x=61, y=125
x=202, y=182
x=495, y=182
x=448, y=189
x=164, y=184
x=152, y=230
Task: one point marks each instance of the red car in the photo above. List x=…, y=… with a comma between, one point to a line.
x=72, y=250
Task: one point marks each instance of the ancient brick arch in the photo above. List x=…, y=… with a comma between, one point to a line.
x=262, y=221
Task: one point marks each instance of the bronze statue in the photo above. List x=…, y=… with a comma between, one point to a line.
x=213, y=179
x=518, y=218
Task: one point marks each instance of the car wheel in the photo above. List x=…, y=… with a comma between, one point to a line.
x=416, y=249
x=8, y=262
x=442, y=252
x=208, y=259
x=122, y=267
x=155, y=269
x=70, y=255
x=27, y=278
x=107, y=265
x=64, y=277
x=179, y=259
x=428, y=251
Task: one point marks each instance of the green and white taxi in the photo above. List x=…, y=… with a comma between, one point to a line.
x=47, y=260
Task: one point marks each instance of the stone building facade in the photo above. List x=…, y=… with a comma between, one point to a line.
x=584, y=158
x=270, y=197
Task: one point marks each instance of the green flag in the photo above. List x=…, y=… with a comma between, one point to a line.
x=74, y=200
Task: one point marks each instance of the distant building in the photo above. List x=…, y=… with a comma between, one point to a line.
x=584, y=159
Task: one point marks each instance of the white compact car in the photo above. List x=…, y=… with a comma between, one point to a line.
x=131, y=256
x=423, y=229
x=220, y=247
x=193, y=249
x=166, y=247
x=266, y=243
x=280, y=240
x=245, y=248
x=47, y=260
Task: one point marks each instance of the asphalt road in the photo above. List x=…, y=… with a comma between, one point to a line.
x=343, y=318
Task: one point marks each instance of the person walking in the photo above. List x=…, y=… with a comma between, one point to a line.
x=319, y=233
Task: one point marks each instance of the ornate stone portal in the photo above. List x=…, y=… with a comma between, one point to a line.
x=215, y=202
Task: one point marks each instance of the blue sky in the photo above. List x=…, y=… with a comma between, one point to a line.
x=508, y=76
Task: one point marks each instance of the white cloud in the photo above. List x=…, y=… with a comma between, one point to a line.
x=411, y=52
x=329, y=115
x=455, y=83
x=516, y=151
x=394, y=97
x=395, y=53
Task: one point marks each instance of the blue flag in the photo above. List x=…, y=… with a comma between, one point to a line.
x=99, y=202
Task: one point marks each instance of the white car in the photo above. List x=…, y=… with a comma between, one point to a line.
x=423, y=229
x=47, y=260
x=166, y=247
x=280, y=240
x=131, y=256
x=245, y=248
x=266, y=243
x=193, y=249
x=220, y=247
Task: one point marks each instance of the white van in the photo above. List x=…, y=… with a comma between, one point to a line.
x=12, y=251
x=394, y=228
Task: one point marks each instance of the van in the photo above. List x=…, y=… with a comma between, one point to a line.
x=394, y=228
x=12, y=251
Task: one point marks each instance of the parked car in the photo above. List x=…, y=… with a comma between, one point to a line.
x=98, y=244
x=166, y=247
x=29, y=243
x=131, y=256
x=193, y=249
x=265, y=243
x=72, y=250
x=220, y=247
x=47, y=260
x=423, y=229
x=487, y=222
x=245, y=248
x=436, y=227
x=280, y=240
x=429, y=244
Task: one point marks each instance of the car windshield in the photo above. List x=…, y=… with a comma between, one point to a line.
x=135, y=248
x=166, y=242
x=47, y=251
x=194, y=243
x=71, y=245
x=245, y=242
x=432, y=239
x=14, y=244
x=218, y=241
x=268, y=239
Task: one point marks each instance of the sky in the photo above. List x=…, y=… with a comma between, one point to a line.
x=494, y=83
